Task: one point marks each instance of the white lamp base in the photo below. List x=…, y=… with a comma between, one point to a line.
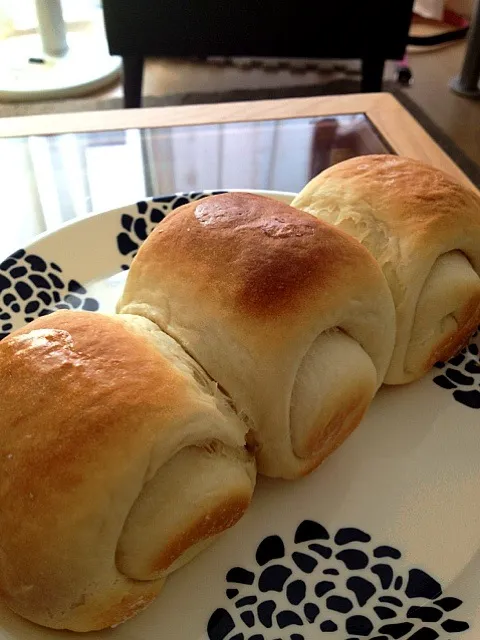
x=27, y=74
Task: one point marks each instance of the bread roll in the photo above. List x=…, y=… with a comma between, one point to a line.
x=290, y=316
x=120, y=461
x=423, y=228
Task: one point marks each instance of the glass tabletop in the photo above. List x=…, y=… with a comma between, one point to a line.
x=50, y=180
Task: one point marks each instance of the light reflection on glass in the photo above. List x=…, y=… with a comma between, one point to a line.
x=54, y=179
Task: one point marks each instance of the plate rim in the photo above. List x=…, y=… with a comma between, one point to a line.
x=40, y=237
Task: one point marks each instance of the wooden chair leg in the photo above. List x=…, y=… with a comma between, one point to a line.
x=372, y=74
x=132, y=81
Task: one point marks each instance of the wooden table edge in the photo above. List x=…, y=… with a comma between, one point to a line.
x=115, y=119
x=392, y=120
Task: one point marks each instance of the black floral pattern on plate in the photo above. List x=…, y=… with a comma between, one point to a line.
x=32, y=287
x=323, y=583
x=461, y=375
x=136, y=228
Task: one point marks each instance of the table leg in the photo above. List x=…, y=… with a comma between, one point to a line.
x=466, y=83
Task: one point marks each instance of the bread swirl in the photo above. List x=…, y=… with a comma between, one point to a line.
x=290, y=316
x=423, y=228
x=121, y=460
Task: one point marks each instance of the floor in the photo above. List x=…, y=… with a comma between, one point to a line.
x=458, y=117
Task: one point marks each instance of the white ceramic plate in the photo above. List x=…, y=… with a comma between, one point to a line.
x=382, y=541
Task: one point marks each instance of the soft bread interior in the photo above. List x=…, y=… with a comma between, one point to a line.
x=199, y=493
x=185, y=363
x=170, y=348
x=447, y=312
x=333, y=387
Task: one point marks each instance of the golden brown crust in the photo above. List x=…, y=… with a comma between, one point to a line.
x=408, y=215
x=246, y=284
x=414, y=198
x=88, y=364
x=90, y=412
x=272, y=254
x=224, y=516
x=467, y=322
x=127, y=607
x=341, y=423
x=329, y=437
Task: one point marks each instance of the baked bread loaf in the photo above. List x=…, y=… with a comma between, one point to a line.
x=423, y=228
x=292, y=317
x=120, y=461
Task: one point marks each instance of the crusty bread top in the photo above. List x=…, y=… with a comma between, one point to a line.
x=416, y=201
x=252, y=256
x=80, y=371
x=78, y=390
x=246, y=284
x=408, y=215
x=91, y=407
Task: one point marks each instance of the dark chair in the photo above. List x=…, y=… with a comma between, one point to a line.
x=370, y=30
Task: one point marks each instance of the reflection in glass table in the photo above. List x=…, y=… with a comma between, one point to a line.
x=49, y=180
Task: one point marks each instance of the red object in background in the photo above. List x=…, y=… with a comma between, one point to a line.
x=454, y=19
x=451, y=19
x=404, y=74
